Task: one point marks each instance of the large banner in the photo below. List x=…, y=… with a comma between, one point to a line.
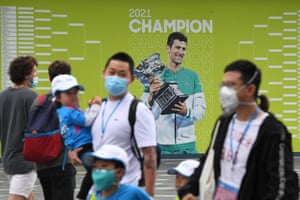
x=86, y=33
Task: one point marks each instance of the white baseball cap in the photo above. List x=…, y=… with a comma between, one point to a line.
x=185, y=168
x=64, y=82
x=106, y=152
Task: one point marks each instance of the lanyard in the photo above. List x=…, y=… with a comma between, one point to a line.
x=234, y=155
x=104, y=124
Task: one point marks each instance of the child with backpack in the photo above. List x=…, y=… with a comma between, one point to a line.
x=74, y=123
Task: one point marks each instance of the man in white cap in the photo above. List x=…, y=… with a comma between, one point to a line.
x=183, y=171
x=109, y=165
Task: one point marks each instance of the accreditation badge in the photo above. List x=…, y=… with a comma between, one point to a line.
x=225, y=191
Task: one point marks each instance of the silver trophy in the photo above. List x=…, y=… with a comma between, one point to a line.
x=150, y=67
x=168, y=94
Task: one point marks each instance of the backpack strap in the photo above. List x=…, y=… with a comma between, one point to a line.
x=42, y=98
x=134, y=147
x=132, y=119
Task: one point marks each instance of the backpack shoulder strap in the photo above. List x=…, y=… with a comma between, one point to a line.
x=132, y=119
x=132, y=114
x=42, y=98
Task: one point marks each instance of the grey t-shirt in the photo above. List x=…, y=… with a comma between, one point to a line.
x=15, y=104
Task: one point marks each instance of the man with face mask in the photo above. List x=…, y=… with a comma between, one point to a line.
x=15, y=104
x=253, y=156
x=111, y=126
x=109, y=165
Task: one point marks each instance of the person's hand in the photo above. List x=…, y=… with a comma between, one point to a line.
x=189, y=197
x=73, y=155
x=154, y=86
x=180, y=108
x=95, y=100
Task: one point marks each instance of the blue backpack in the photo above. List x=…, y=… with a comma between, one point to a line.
x=42, y=138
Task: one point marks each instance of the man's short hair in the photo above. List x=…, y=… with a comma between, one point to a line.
x=124, y=57
x=176, y=36
x=58, y=67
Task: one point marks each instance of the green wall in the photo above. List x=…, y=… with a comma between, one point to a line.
x=86, y=33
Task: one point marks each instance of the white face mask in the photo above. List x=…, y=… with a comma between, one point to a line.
x=228, y=99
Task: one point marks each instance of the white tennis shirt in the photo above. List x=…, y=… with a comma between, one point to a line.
x=111, y=126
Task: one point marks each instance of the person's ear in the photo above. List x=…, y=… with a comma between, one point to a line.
x=28, y=77
x=120, y=173
x=132, y=78
x=168, y=49
x=251, y=90
x=58, y=97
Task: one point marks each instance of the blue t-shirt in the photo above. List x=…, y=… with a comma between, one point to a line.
x=129, y=192
x=72, y=125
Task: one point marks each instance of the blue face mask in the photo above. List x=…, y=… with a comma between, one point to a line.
x=103, y=179
x=34, y=82
x=115, y=85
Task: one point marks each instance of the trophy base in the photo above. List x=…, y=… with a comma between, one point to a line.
x=167, y=96
x=168, y=108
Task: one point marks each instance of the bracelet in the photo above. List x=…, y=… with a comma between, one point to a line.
x=188, y=113
x=150, y=95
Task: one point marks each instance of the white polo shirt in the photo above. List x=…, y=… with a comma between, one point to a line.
x=111, y=126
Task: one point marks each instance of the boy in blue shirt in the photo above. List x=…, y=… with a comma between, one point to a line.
x=74, y=123
x=109, y=165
